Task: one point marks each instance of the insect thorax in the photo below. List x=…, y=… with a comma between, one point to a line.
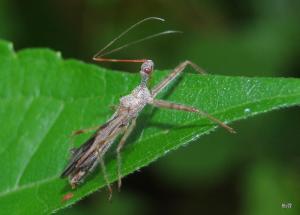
x=136, y=101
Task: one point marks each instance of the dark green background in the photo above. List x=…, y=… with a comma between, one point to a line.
x=252, y=172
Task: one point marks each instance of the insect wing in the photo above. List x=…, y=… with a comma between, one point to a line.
x=85, y=158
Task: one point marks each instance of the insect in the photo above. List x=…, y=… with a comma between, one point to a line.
x=85, y=158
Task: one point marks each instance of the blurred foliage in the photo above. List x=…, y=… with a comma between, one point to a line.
x=253, y=172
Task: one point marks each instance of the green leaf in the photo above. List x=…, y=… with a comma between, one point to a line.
x=44, y=98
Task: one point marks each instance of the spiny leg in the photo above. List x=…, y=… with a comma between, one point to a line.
x=178, y=70
x=120, y=145
x=105, y=178
x=170, y=105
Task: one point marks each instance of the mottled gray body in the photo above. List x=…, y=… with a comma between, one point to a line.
x=86, y=157
x=133, y=103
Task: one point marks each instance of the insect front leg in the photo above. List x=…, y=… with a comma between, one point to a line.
x=120, y=145
x=181, y=107
x=178, y=70
x=85, y=130
x=81, y=131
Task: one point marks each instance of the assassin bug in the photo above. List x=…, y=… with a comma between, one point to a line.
x=85, y=158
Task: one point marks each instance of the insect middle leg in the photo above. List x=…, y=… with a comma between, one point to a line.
x=170, y=105
x=178, y=70
x=120, y=145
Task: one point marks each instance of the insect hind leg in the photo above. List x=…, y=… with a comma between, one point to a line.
x=106, y=178
x=182, y=107
x=120, y=146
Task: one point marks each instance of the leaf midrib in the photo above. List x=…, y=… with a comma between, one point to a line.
x=37, y=147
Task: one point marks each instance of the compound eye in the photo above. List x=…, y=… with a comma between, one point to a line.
x=147, y=70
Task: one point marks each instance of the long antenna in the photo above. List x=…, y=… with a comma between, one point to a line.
x=99, y=54
x=140, y=40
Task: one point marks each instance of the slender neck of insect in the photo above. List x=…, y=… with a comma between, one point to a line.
x=144, y=81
